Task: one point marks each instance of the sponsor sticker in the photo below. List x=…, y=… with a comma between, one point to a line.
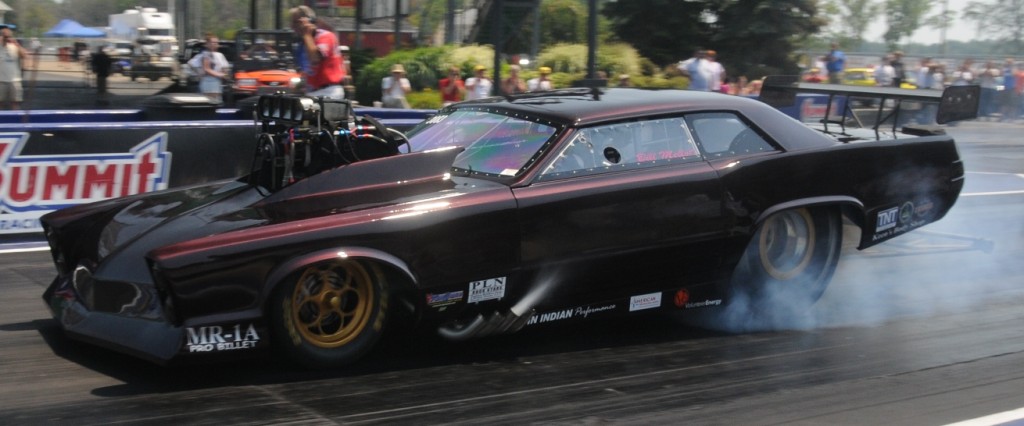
x=887, y=219
x=644, y=301
x=489, y=289
x=444, y=299
x=33, y=185
x=578, y=312
x=215, y=338
x=924, y=209
x=704, y=303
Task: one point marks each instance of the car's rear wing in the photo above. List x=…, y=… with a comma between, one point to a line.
x=955, y=102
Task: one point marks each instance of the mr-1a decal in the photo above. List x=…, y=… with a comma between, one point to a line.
x=33, y=185
x=215, y=338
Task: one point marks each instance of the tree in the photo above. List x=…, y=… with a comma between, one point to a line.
x=562, y=21
x=665, y=31
x=852, y=18
x=753, y=37
x=772, y=26
x=1003, y=19
x=904, y=17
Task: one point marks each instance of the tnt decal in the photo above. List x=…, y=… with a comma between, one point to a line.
x=32, y=185
x=887, y=219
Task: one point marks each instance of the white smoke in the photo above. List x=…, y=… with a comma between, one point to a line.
x=957, y=264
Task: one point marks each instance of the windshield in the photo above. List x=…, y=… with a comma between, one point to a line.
x=495, y=144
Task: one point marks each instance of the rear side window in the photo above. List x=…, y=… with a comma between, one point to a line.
x=621, y=146
x=724, y=135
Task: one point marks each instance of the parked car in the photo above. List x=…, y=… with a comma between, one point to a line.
x=866, y=77
x=264, y=63
x=490, y=216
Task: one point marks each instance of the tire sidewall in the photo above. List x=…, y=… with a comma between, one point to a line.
x=805, y=288
x=288, y=342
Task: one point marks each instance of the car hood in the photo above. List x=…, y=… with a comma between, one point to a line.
x=114, y=235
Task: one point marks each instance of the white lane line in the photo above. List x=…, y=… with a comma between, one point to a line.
x=25, y=249
x=990, y=193
x=982, y=194
x=994, y=419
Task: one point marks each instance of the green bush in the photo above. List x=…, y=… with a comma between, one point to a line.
x=426, y=99
x=422, y=68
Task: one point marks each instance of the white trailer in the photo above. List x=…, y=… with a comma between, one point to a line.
x=143, y=26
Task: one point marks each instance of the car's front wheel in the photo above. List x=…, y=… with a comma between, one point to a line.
x=329, y=314
x=791, y=258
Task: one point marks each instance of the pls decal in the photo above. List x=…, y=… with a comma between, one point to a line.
x=32, y=185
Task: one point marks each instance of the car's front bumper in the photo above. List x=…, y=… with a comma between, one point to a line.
x=140, y=328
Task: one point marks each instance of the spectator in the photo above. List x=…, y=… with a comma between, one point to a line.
x=835, y=64
x=1011, y=93
x=988, y=79
x=214, y=70
x=924, y=74
x=624, y=81
x=478, y=86
x=452, y=88
x=716, y=72
x=12, y=57
x=754, y=88
x=543, y=82
x=963, y=75
x=318, y=54
x=513, y=84
x=698, y=71
x=395, y=87
x=898, y=70
x=101, y=67
x=884, y=72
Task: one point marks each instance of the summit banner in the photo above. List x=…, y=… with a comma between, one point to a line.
x=43, y=170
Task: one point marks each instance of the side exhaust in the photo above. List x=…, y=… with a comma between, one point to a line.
x=481, y=326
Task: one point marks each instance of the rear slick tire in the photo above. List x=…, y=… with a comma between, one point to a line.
x=329, y=314
x=790, y=260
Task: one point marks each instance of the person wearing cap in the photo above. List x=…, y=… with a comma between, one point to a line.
x=478, y=86
x=12, y=58
x=317, y=54
x=394, y=87
x=452, y=87
x=540, y=83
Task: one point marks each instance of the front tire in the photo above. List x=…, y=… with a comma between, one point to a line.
x=329, y=314
x=791, y=259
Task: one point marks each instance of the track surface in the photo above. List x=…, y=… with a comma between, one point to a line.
x=924, y=329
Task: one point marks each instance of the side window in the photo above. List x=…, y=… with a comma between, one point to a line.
x=623, y=146
x=723, y=135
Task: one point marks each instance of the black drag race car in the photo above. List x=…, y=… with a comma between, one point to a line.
x=490, y=216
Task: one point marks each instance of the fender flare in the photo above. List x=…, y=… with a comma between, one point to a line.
x=283, y=270
x=852, y=207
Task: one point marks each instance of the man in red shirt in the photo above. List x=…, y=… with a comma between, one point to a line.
x=452, y=87
x=318, y=54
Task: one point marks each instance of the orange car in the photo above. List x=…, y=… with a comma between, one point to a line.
x=256, y=82
x=264, y=63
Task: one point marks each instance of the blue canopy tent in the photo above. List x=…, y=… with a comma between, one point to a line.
x=70, y=28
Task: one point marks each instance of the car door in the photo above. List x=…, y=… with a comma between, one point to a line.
x=623, y=207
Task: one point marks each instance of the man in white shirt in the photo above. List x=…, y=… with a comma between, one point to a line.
x=478, y=86
x=697, y=69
